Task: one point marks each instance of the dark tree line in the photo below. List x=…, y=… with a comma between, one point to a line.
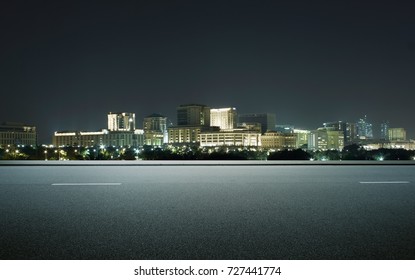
x=352, y=152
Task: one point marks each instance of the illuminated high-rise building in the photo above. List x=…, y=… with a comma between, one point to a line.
x=384, y=127
x=348, y=129
x=351, y=134
x=396, y=134
x=225, y=118
x=364, y=129
x=192, y=119
x=155, y=130
x=301, y=137
x=326, y=138
x=121, y=121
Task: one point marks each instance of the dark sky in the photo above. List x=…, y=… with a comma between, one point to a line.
x=65, y=64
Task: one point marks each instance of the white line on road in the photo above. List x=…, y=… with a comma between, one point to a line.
x=386, y=182
x=86, y=184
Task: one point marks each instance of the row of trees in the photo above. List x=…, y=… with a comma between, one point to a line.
x=352, y=152
x=67, y=153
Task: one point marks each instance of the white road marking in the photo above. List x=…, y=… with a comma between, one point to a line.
x=86, y=184
x=386, y=182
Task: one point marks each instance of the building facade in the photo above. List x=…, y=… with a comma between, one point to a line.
x=155, y=130
x=324, y=139
x=267, y=120
x=193, y=115
x=406, y=145
x=384, y=134
x=121, y=121
x=104, y=138
x=121, y=132
x=233, y=138
x=17, y=134
x=364, y=129
x=301, y=139
x=187, y=134
x=351, y=134
x=348, y=129
x=245, y=135
x=396, y=134
x=224, y=118
x=278, y=141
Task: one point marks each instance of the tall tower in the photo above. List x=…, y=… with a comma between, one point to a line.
x=364, y=129
x=121, y=121
x=384, y=127
x=193, y=114
x=225, y=118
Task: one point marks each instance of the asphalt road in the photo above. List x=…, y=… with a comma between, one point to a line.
x=207, y=212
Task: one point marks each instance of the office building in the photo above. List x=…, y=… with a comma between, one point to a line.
x=278, y=140
x=188, y=134
x=348, y=129
x=104, y=138
x=351, y=134
x=17, y=134
x=267, y=120
x=324, y=139
x=364, y=129
x=406, y=145
x=192, y=119
x=193, y=115
x=396, y=134
x=224, y=118
x=384, y=134
x=155, y=130
x=243, y=136
x=121, y=121
x=301, y=138
x=121, y=132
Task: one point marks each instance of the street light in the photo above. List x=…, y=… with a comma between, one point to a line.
x=59, y=154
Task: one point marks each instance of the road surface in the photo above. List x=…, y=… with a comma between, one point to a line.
x=207, y=212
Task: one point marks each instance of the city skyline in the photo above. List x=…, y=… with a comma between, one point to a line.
x=376, y=128
x=65, y=65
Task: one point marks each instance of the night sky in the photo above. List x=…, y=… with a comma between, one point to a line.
x=66, y=64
